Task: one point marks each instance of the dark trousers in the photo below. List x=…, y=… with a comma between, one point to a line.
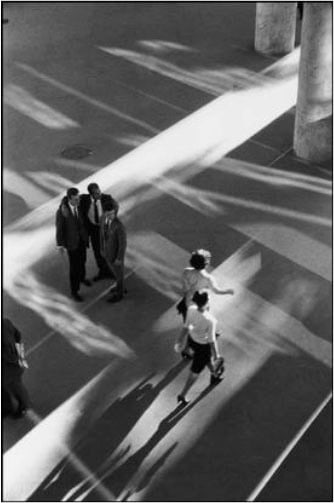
x=77, y=259
x=94, y=234
x=13, y=389
x=118, y=273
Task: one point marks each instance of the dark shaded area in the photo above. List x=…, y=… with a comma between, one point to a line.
x=266, y=418
x=307, y=473
x=96, y=449
x=279, y=133
x=119, y=477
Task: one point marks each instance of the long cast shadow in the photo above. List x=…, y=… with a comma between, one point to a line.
x=121, y=475
x=95, y=450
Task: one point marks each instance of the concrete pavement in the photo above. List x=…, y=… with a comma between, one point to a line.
x=110, y=77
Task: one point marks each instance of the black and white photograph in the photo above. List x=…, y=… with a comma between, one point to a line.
x=167, y=251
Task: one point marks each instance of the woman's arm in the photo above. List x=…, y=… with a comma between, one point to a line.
x=185, y=286
x=213, y=342
x=216, y=289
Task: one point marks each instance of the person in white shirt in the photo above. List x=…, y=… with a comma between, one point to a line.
x=201, y=328
x=197, y=278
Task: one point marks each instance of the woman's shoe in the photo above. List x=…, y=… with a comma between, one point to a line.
x=181, y=399
x=215, y=380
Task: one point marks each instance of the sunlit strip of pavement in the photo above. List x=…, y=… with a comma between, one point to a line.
x=172, y=187
x=273, y=469
x=114, y=341
x=202, y=137
x=61, y=424
x=213, y=82
x=166, y=427
x=64, y=426
x=17, y=184
x=20, y=100
x=31, y=459
x=292, y=244
x=91, y=101
x=272, y=322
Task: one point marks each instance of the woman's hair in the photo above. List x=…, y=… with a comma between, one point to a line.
x=197, y=260
x=200, y=299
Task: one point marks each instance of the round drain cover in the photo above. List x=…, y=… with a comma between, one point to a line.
x=76, y=152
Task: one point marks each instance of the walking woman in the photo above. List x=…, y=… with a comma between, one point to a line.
x=201, y=328
x=197, y=278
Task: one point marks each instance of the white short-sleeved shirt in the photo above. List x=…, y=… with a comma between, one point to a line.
x=201, y=325
x=195, y=280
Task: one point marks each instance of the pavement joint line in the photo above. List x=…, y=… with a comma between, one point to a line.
x=86, y=98
x=288, y=449
x=269, y=147
x=151, y=96
x=312, y=165
x=282, y=154
x=84, y=309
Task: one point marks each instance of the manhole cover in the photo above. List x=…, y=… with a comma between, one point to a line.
x=76, y=152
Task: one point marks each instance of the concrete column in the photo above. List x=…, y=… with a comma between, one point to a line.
x=313, y=123
x=275, y=27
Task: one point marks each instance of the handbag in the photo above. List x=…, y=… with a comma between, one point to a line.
x=181, y=307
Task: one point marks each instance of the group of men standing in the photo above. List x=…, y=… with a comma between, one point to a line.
x=84, y=219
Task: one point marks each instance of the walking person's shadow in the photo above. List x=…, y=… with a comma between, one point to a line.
x=95, y=451
x=119, y=477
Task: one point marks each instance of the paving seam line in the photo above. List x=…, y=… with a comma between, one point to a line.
x=85, y=308
x=280, y=156
x=271, y=472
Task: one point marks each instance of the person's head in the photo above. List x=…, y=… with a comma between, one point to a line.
x=73, y=196
x=207, y=256
x=94, y=191
x=201, y=299
x=197, y=260
x=110, y=210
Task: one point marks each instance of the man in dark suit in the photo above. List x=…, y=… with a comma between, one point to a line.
x=15, y=399
x=113, y=246
x=72, y=236
x=92, y=207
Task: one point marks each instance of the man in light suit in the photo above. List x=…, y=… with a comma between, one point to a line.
x=113, y=246
x=92, y=207
x=72, y=236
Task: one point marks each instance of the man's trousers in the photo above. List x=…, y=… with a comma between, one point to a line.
x=77, y=259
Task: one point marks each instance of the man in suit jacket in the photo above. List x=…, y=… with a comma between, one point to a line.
x=92, y=206
x=14, y=394
x=113, y=246
x=72, y=236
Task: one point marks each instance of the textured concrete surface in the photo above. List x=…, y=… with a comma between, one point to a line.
x=275, y=28
x=113, y=78
x=314, y=115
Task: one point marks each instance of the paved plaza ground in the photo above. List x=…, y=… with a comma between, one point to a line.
x=169, y=109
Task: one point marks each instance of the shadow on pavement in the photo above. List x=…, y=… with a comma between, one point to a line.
x=267, y=416
x=95, y=451
x=119, y=477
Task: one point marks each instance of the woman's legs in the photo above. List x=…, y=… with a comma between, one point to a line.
x=188, y=384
